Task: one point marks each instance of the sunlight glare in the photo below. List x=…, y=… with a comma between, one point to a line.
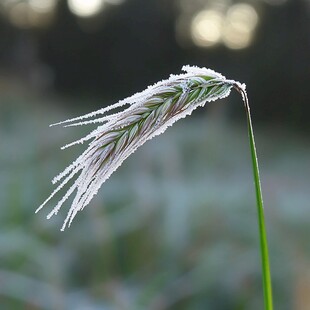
x=241, y=21
x=85, y=8
x=206, y=28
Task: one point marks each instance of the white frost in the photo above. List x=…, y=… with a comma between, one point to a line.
x=103, y=156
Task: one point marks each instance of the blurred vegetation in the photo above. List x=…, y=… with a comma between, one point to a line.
x=174, y=228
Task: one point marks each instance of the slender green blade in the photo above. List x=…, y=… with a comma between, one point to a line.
x=267, y=284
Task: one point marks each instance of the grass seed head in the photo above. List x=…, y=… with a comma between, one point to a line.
x=149, y=113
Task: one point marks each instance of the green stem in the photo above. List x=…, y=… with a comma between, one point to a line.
x=267, y=285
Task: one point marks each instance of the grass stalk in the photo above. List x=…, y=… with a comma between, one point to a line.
x=150, y=113
x=266, y=277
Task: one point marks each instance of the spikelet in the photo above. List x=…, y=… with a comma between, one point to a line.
x=148, y=114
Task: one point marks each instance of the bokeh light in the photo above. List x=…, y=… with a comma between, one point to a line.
x=19, y=15
x=206, y=28
x=234, y=27
x=31, y=13
x=42, y=6
x=240, y=23
x=83, y=8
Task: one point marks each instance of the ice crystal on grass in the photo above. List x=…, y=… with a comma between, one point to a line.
x=148, y=114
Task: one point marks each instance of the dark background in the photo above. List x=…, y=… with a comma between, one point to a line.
x=175, y=227
x=132, y=45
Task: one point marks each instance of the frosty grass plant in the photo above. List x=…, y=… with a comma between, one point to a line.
x=149, y=114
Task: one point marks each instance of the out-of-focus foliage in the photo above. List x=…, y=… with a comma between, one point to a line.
x=174, y=228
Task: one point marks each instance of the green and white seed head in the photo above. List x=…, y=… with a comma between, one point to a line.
x=149, y=113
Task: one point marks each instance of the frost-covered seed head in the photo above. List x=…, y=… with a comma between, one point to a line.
x=150, y=112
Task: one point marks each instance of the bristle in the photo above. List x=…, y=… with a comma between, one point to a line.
x=149, y=114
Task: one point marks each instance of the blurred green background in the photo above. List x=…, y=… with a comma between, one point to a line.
x=175, y=227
